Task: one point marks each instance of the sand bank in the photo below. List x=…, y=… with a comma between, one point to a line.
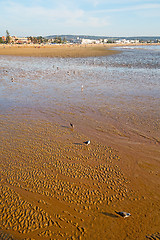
x=65, y=50
x=56, y=50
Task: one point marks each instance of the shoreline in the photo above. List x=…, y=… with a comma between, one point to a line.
x=63, y=51
x=63, y=188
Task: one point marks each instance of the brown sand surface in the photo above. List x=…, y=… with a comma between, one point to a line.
x=64, y=50
x=53, y=186
x=56, y=50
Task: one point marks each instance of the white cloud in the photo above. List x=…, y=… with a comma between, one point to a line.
x=41, y=12
x=39, y=17
x=96, y=22
x=61, y=17
x=90, y=23
x=119, y=2
x=130, y=8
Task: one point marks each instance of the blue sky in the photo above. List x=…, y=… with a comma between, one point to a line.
x=88, y=17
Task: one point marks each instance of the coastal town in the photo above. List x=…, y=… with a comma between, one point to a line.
x=74, y=39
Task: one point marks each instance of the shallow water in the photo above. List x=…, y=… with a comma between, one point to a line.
x=39, y=82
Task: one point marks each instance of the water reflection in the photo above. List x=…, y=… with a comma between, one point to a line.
x=50, y=81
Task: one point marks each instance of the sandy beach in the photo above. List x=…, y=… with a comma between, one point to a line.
x=53, y=185
x=64, y=50
x=56, y=50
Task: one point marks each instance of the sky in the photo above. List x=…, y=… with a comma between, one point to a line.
x=112, y=18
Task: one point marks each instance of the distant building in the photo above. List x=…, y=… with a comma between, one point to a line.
x=89, y=41
x=3, y=38
x=105, y=40
x=21, y=40
x=134, y=41
x=124, y=41
x=94, y=41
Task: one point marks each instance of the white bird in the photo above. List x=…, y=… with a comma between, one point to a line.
x=87, y=142
x=123, y=214
x=82, y=88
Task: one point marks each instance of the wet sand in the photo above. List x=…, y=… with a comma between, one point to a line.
x=53, y=186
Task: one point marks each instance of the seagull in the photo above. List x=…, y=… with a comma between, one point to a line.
x=82, y=88
x=123, y=214
x=87, y=142
x=72, y=126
